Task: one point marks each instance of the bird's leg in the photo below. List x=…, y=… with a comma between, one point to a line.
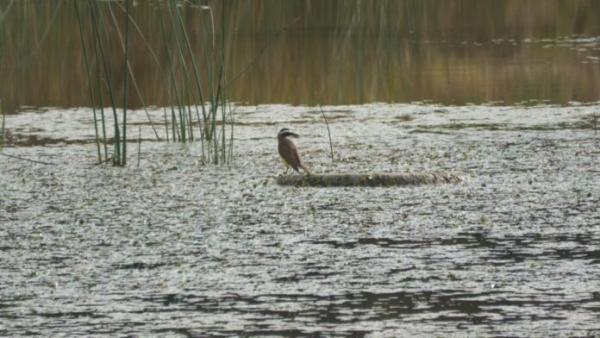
x=286, y=165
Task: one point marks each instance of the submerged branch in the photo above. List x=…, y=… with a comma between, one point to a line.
x=26, y=159
x=367, y=180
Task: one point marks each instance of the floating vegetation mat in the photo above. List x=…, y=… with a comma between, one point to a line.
x=367, y=180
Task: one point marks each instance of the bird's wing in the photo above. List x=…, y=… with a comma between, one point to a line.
x=289, y=152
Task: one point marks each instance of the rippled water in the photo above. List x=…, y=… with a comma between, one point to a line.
x=174, y=248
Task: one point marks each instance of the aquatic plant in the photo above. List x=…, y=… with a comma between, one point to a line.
x=190, y=92
x=328, y=133
x=98, y=47
x=186, y=85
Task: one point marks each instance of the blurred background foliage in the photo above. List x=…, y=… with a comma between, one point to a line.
x=318, y=51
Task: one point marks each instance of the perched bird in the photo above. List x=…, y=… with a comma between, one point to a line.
x=288, y=150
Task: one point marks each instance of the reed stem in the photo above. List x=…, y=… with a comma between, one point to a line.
x=139, y=145
x=125, y=81
x=89, y=75
x=328, y=133
x=117, y=136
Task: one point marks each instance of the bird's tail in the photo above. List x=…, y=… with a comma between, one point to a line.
x=305, y=168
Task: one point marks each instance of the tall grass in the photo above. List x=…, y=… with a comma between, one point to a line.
x=328, y=134
x=198, y=103
x=98, y=138
x=123, y=160
x=201, y=91
x=101, y=84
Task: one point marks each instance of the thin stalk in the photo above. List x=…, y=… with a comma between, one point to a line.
x=142, y=37
x=173, y=9
x=26, y=159
x=215, y=137
x=101, y=104
x=221, y=83
x=174, y=91
x=328, y=133
x=223, y=139
x=194, y=64
x=129, y=68
x=185, y=71
x=125, y=80
x=98, y=89
x=175, y=134
x=139, y=145
x=231, y=122
x=182, y=122
x=117, y=136
x=208, y=56
x=89, y=75
x=190, y=122
x=215, y=101
x=166, y=123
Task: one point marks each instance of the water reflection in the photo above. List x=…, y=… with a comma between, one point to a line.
x=316, y=52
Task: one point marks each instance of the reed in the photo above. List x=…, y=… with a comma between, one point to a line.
x=198, y=90
x=125, y=82
x=139, y=156
x=328, y=133
x=98, y=32
x=125, y=47
x=178, y=66
x=193, y=56
x=100, y=81
x=91, y=91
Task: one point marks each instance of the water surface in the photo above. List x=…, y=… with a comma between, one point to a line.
x=176, y=248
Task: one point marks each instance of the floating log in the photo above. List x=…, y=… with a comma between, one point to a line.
x=366, y=180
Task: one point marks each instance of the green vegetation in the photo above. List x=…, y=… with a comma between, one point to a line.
x=190, y=107
x=201, y=91
x=96, y=88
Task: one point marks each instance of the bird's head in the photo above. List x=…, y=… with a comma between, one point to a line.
x=285, y=132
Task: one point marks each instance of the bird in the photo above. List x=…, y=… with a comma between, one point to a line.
x=289, y=152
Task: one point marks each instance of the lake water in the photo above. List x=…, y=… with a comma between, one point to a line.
x=177, y=248
x=504, y=94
